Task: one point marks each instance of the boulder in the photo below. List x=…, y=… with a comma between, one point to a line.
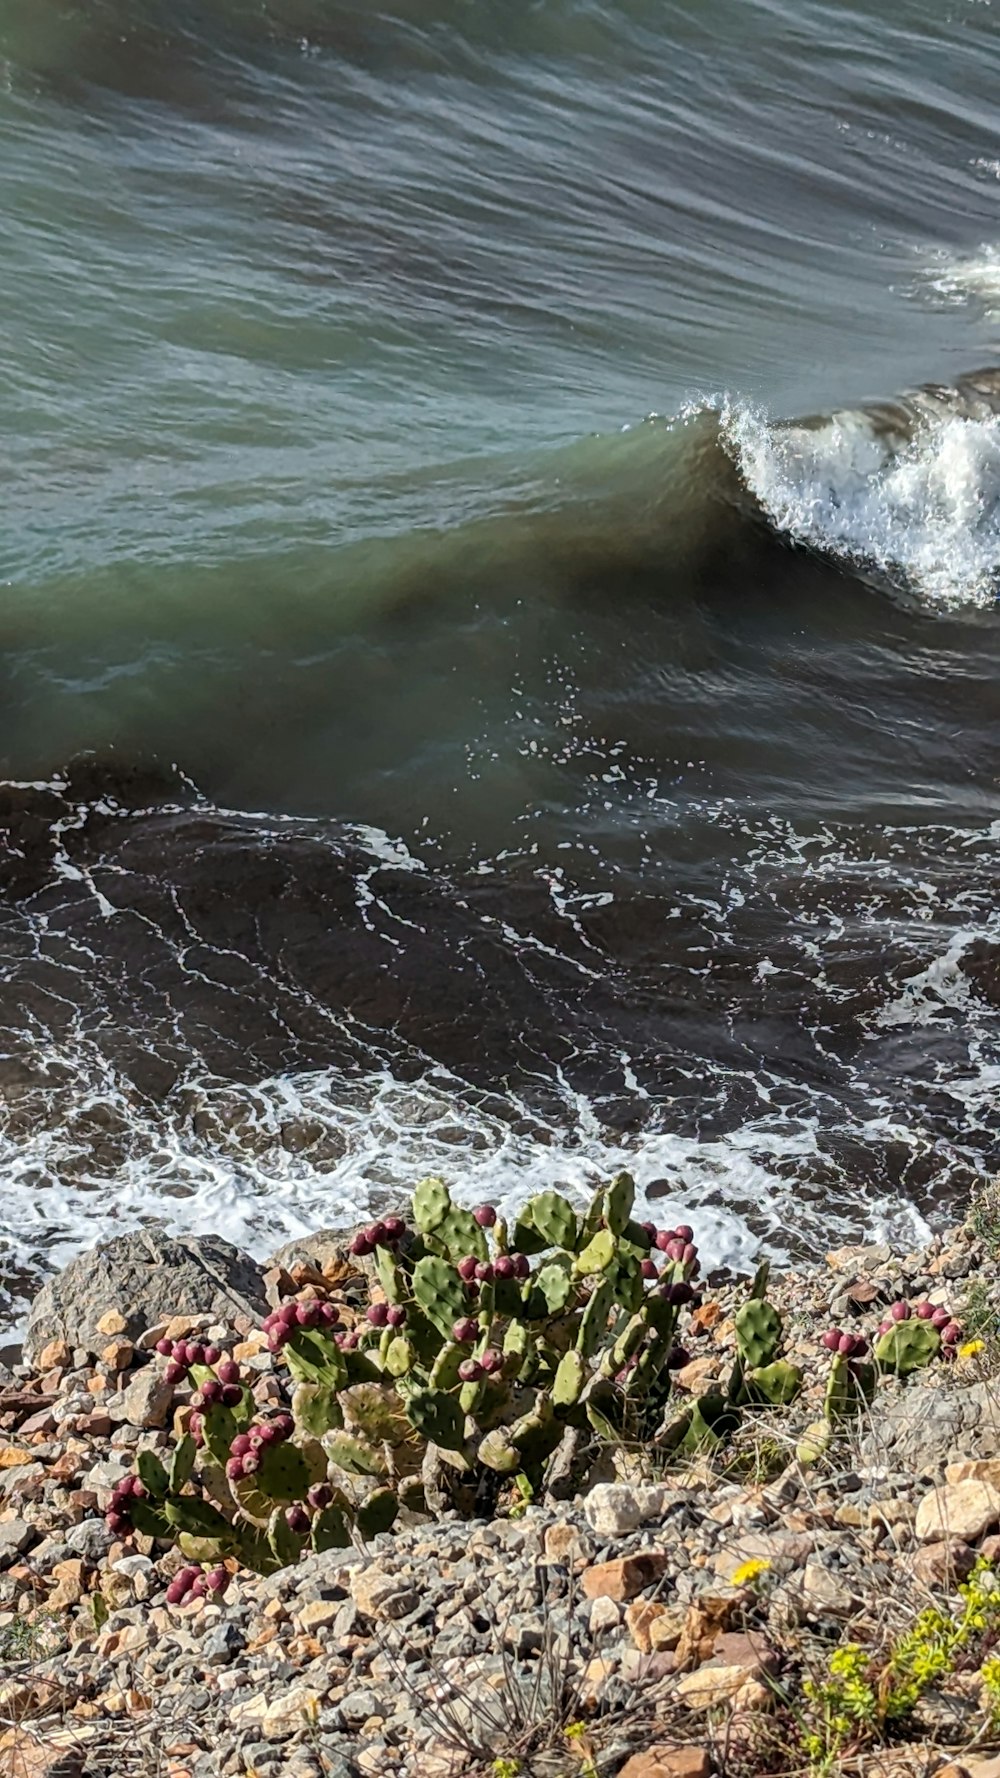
x=962, y=1510
x=146, y=1277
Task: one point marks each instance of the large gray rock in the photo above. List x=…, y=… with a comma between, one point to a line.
x=147, y=1277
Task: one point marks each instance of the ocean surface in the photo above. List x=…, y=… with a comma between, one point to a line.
x=497, y=676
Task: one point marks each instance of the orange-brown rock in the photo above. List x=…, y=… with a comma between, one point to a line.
x=626, y=1576
x=664, y=1761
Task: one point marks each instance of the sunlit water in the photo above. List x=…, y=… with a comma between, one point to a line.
x=512, y=750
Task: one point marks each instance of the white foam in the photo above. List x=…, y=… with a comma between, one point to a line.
x=925, y=516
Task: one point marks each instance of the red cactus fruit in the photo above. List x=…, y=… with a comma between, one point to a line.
x=484, y=1272
x=465, y=1331
x=212, y=1354
x=649, y=1268
x=319, y=1496
x=684, y=1231
x=284, y=1427
x=217, y=1580
x=232, y=1395
x=663, y=1239
x=297, y=1520
x=165, y=1348
x=234, y=1468
x=195, y=1353
x=491, y=1361
x=650, y=1228
x=395, y=1229
x=251, y=1463
x=951, y=1333
x=940, y=1319
x=503, y=1266
x=211, y=1390
x=376, y=1233
x=832, y=1338
x=925, y=1310
x=677, y=1357
x=397, y=1315
x=466, y=1268
x=228, y=1371
x=174, y=1373
x=361, y=1246
x=486, y=1216
x=470, y=1370
x=899, y=1312
x=117, y=1522
x=378, y=1314
x=522, y=1265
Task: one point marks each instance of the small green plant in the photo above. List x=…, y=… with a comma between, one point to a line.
x=862, y=1696
x=506, y=1768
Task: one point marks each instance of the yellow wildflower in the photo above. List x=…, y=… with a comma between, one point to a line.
x=971, y=1348
x=747, y=1572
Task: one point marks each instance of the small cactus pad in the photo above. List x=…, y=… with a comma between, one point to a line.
x=598, y=1253
x=758, y=1332
x=554, y=1218
x=149, y=1519
x=570, y=1377
x=286, y=1544
x=312, y=1357
x=618, y=1201
x=594, y=1324
x=549, y=1291
x=219, y=1427
x=437, y=1417
x=199, y=1517
x=908, y=1346
x=355, y=1455
x=330, y=1530
x=440, y=1292
x=431, y=1203
x=282, y=1474
x=377, y=1513
x=152, y=1474
x=315, y=1409
x=182, y=1463
x=778, y=1383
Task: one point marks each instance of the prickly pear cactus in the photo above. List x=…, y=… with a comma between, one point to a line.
x=758, y=1332
x=440, y=1292
x=908, y=1346
x=618, y=1201
x=778, y=1383
x=554, y=1218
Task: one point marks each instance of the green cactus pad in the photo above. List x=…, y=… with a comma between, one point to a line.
x=497, y=1453
x=374, y=1412
x=437, y=1417
x=440, y=1293
x=316, y=1409
x=431, y=1204
x=843, y=1396
x=470, y=1397
x=713, y=1422
x=150, y=1519
x=444, y=1371
x=390, y=1276
x=330, y=1530
x=598, y=1254
x=618, y=1201
x=526, y=1239
x=570, y=1378
x=549, y=1290
x=204, y=1549
x=355, y=1455
x=282, y=1474
x=312, y=1357
x=187, y=1513
x=152, y=1474
x=219, y=1428
x=182, y=1463
x=377, y=1513
x=554, y=1218
x=626, y=1279
x=908, y=1346
x=758, y=1332
x=777, y=1383
x=287, y=1545
x=814, y=1443
x=460, y=1234
x=400, y=1356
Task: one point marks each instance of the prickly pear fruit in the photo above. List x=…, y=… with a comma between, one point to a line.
x=758, y=1332
x=908, y=1346
x=439, y=1292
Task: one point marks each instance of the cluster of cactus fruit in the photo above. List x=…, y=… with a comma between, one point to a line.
x=488, y=1355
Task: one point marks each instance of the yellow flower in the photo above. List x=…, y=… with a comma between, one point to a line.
x=749, y=1571
x=971, y=1348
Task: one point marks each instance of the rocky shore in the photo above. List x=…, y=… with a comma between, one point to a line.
x=668, y=1625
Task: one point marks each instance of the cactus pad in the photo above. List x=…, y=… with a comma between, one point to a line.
x=554, y=1218
x=187, y=1513
x=150, y=1520
x=315, y=1409
x=152, y=1474
x=594, y=1323
x=570, y=1378
x=312, y=1357
x=355, y=1455
x=440, y=1292
x=598, y=1253
x=377, y=1513
x=437, y=1417
x=330, y=1530
x=287, y=1545
x=758, y=1332
x=618, y=1201
x=778, y=1383
x=182, y=1463
x=908, y=1346
x=219, y=1427
x=549, y=1291
x=431, y=1204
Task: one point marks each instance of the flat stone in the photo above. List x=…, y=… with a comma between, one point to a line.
x=822, y=1594
x=379, y=1593
x=943, y=1564
x=289, y=1712
x=962, y=1509
x=318, y=1613
x=626, y=1576
x=147, y=1400
x=16, y=1536
x=614, y=1509
x=113, y=1322
x=91, y=1538
x=663, y=1761
x=737, y=1659
x=781, y=1550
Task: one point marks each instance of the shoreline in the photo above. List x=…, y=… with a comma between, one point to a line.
x=672, y=1608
